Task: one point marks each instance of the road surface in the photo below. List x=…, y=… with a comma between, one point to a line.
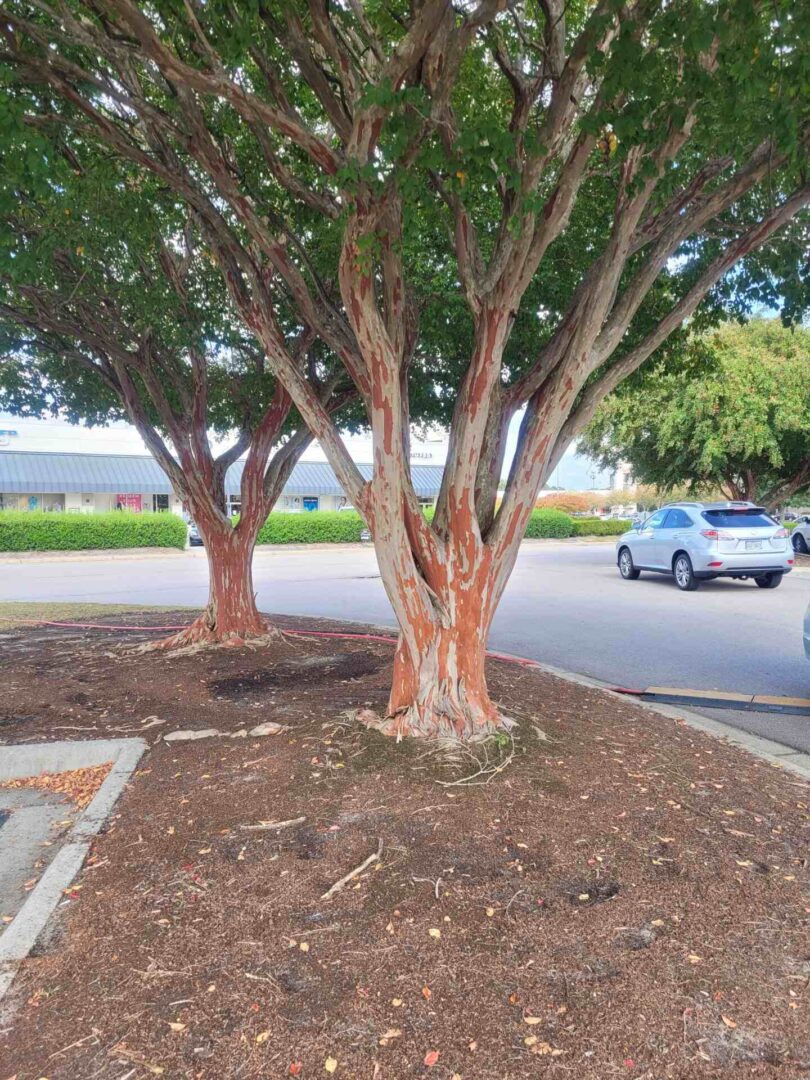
x=565, y=605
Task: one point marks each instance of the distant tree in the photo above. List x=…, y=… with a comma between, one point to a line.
x=572, y=502
x=110, y=308
x=739, y=421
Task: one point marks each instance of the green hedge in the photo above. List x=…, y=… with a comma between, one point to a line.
x=345, y=527
x=312, y=527
x=600, y=526
x=36, y=530
x=549, y=523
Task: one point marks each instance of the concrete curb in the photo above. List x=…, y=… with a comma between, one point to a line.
x=776, y=754
x=90, y=554
x=26, y=759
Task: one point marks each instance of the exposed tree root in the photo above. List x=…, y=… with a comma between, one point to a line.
x=417, y=722
x=203, y=634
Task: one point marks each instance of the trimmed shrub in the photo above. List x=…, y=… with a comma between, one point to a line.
x=600, y=526
x=312, y=527
x=36, y=530
x=345, y=527
x=549, y=523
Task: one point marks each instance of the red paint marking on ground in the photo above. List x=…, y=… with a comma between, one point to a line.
x=522, y=661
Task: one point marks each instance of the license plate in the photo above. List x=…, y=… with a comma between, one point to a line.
x=753, y=545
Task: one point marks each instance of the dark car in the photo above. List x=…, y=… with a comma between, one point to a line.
x=194, y=538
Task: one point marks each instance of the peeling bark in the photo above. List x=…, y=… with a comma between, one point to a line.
x=230, y=616
x=442, y=689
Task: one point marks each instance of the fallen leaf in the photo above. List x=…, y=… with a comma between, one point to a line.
x=431, y=1057
x=629, y=1063
x=490, y=911
x=728, y=1021
x=426, y=993
x=584, y=896
x=175, y=1025
x=532, y=1020
x=530, y=1040
x=262, y=1037
x=396, y=1002
x=434, y=933
x=330, y=1064
x=295, y=1068
x=304, y=946
x=694, y=958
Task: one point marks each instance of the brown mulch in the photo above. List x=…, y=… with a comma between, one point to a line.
x=623, y=899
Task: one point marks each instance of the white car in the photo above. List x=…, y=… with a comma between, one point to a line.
x=800, y=537
x=699, y=541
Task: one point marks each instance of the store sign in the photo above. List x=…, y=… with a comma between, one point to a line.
x=129, y=502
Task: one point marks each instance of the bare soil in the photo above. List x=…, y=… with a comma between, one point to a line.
x=614, y=895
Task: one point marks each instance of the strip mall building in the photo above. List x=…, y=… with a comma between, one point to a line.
x=93, y=483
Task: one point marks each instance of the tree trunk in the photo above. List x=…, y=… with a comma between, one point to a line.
x=231, y=616
x=442, y=689
x=440, y=598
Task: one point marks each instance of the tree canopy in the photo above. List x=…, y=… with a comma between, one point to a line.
x=499, y=207
x=111, y=306
x=736, y=417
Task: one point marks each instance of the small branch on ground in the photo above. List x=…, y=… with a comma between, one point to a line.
x=344, y=881
x=266, y=826
x=437, y=884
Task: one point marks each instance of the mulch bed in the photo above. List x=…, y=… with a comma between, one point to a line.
x=622, y=899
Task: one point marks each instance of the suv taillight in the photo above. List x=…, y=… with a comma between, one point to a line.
x=780, y=534
x=710, y=534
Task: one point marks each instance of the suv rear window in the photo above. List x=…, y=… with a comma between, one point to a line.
x=739, y=519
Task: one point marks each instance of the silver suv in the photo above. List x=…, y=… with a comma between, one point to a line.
x=698, y=541
x=800, y=537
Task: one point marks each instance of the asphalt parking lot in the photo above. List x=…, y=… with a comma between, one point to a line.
x=565, y=605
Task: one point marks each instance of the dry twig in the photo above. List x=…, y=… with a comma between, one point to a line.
x=364, y=865
x=264, y=826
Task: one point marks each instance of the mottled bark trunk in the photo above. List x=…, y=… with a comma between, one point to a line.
x=231, y=615
x=440, y=594
x=440, y=688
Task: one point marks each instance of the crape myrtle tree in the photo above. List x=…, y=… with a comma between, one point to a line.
x=623, y=156
x=110, y=308
x=735, y=418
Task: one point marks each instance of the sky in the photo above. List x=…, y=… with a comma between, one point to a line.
x=575, y=472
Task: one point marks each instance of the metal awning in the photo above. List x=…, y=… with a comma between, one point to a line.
x=45, y=473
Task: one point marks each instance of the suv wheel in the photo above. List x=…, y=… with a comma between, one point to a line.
x=626, y=568
x=769, y=581
x=684, y=574
x=799, y=543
